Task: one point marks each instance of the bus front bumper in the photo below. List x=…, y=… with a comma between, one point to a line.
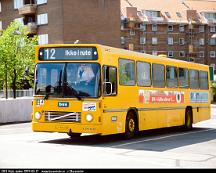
x=65, y=127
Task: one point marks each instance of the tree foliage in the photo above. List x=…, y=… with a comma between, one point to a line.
x=16, y=55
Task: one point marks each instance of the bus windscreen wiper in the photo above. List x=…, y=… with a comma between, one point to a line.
x=47, y=96
x=69, y=90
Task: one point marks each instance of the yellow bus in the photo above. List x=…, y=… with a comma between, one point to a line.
x=96, y=89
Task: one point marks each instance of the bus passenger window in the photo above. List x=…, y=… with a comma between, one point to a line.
x=110, y=80
x=158, y=75
x=203, y=78
x=127, y=72
x=171, y=77
x=183, y=78
x=194, y=79
x=143, y=74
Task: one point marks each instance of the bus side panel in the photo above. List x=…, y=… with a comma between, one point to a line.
x=201, y=114
x=113, y=123
x=160, y=118
x=148, y=120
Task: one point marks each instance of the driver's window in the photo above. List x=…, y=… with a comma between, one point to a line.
x=109, y=80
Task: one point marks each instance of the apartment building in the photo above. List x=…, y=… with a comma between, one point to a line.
x=181, y=29
x=65, y=21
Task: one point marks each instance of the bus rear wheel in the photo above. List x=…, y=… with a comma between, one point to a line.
x=188, y=119
x=130, y=125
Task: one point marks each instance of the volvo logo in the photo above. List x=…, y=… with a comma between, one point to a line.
x=63, y=104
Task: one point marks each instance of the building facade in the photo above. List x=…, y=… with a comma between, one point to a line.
x=65, y=21
x=179, y=29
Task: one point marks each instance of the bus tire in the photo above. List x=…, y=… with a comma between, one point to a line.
x=74, y=135
x=130, y=125
x=188, y=119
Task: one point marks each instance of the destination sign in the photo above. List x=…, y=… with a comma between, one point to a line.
x=68, y=53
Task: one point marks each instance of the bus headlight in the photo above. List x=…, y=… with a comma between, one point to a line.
x=37, y=115
x=89, y=117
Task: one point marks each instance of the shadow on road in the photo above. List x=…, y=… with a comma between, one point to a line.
x=150, y=140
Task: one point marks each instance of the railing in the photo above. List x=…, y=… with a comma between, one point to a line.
x=19, y=93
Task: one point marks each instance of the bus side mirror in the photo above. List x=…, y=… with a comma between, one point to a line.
x=107, y=88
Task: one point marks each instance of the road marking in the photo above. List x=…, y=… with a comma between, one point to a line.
x=154, y=139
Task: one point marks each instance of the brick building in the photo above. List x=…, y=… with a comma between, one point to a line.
x=182, y=29
x=65, y=21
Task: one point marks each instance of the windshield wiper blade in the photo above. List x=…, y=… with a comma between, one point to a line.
x=69, y=90
x=47, y=96
x=75, y=93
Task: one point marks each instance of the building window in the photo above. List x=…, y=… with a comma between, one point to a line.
x=150, y=13
x=1, y=27
x=170, y=40
x=154, y=40
x=122, y=40
x=181, y=28
x=170, y=54
x=170, y=28
x=42, y=19
x=179, y=14
x=39, y=2
x=142, y=26
x=211, y=28
x=142, y=40
x=201, y=28
x=43, y=39
x=181, y=41
x=168, y=14
x=18, y=4
x=212, y=41
x=154, y=27
x=201, y=54
x=0, y=7
x=20, y=20
x=154, y=52
x=212, y=54
x=201, y=41
x=132, y=32
x=182, y=54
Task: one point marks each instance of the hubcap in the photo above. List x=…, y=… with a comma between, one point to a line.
x=131, y=125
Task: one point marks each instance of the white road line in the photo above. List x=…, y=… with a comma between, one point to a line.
x=154, y=139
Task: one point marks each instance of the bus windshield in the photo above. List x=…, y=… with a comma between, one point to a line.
x=68, y=80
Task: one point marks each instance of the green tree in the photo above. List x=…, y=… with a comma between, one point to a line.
x=16, y=54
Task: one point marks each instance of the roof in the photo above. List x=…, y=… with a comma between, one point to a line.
x=172, y=7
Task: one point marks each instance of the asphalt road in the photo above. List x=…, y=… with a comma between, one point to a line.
x=163, y=148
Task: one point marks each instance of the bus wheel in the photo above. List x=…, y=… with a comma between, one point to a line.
x=188, y=119
x=130, y=126
x=74, y=135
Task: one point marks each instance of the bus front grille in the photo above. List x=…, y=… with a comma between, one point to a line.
x=63, y=116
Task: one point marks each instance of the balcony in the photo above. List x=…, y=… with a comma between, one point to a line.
x=32, y=28
x=28, y=9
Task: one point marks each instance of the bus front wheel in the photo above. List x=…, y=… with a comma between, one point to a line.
x=188, y=119
x=130, y=125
